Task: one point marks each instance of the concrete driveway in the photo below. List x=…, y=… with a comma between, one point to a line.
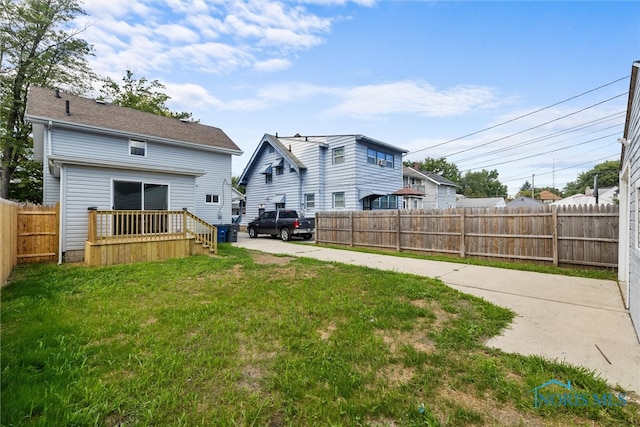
x=580, y=321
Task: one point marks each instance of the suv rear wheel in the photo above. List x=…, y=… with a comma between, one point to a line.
x=252, y=233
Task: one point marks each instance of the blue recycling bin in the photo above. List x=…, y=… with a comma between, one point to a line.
x=222, y=233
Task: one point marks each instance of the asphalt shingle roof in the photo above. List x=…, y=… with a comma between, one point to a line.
x=44, y=105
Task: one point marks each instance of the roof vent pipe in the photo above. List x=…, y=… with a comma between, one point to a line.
x=57, y=93
x=66, y=108
x=289, y=147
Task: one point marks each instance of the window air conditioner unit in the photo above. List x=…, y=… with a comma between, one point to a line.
x=382, y=162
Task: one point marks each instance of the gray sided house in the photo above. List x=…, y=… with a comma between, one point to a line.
x=431, y=191
x=319, y=173
x=629, y=196
x=99, y=155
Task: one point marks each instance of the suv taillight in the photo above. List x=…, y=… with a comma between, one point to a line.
x=296, y=224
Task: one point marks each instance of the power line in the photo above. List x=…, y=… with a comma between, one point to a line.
x=520, y=117
x=540, y=125
x=551, y=135
x=558, y=170
x=547, y=152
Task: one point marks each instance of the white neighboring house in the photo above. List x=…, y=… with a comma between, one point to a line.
x=99, y=155
x=426, y=190
x=629, y=240
x=319, y=173
x=480, y=202
x=606, y=196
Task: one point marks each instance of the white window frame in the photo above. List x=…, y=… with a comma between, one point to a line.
x=338, y=155
x=142, y=183
x=137, y=144
x=213, y=199
x=333, y=200
x=310, y=202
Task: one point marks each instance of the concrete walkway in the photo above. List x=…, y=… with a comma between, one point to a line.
x=580, y=321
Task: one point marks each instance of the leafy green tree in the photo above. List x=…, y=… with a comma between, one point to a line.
x=608, y=176
x=483, y=183
x=440, y=166
x=38, y=46
x=235, y=183
x=525, y=187
x=26, y=184
x=140, y=94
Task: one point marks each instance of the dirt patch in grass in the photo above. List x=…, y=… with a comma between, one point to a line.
x=150, y=321
x=395, y=375
x=255, y=364
x=416, y=337
x=264, y=259
x=441, y=315
x=493, y=413
x=327, y=331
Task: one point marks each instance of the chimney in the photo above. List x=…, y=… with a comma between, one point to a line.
x=416, y=166
x=57, y=93
x=67, y=112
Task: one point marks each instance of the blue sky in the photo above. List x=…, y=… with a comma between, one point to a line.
x=415, y=74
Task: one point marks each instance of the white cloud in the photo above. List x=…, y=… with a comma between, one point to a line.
x=271, y=65
x=411, y=97
x=177, y=34
x=219, y=37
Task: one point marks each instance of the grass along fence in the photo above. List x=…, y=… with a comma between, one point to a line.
x=565, y=236
x=9, y=241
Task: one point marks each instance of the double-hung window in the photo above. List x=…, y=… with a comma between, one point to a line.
x=338, y=155
x=137, y=147
x=309, y=201
x=338, y=200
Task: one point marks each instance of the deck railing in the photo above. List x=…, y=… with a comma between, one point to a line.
x=114, y=226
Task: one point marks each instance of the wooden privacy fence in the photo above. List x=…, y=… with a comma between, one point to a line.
x=9, y=240
x=566, y=236
x=29, y=234
x=38, y=233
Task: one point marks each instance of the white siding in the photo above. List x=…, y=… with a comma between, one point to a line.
x=354, y=177
x=89, y=186
x=633, y=156
x=217, y=179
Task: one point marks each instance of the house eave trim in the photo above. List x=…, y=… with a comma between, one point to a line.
x=125, y=134
x=65, y=160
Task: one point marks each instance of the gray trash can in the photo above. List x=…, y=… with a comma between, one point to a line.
x=232, y=232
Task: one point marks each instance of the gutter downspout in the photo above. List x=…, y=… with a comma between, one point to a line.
x=61, y=219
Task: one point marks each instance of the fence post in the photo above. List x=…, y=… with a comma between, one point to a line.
x=462, y=249
x=554, y=216
x=184, y=223
x=92, y=226
x=351, y=229
x=398, y=219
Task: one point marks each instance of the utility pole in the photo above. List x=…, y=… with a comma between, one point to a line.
x=595, y=188
x=533, y=186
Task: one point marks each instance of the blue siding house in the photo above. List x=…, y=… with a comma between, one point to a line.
x=103, y=156
x=629, y=239
x=319, y=173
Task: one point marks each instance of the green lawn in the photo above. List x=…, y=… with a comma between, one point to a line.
x=246, y=338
